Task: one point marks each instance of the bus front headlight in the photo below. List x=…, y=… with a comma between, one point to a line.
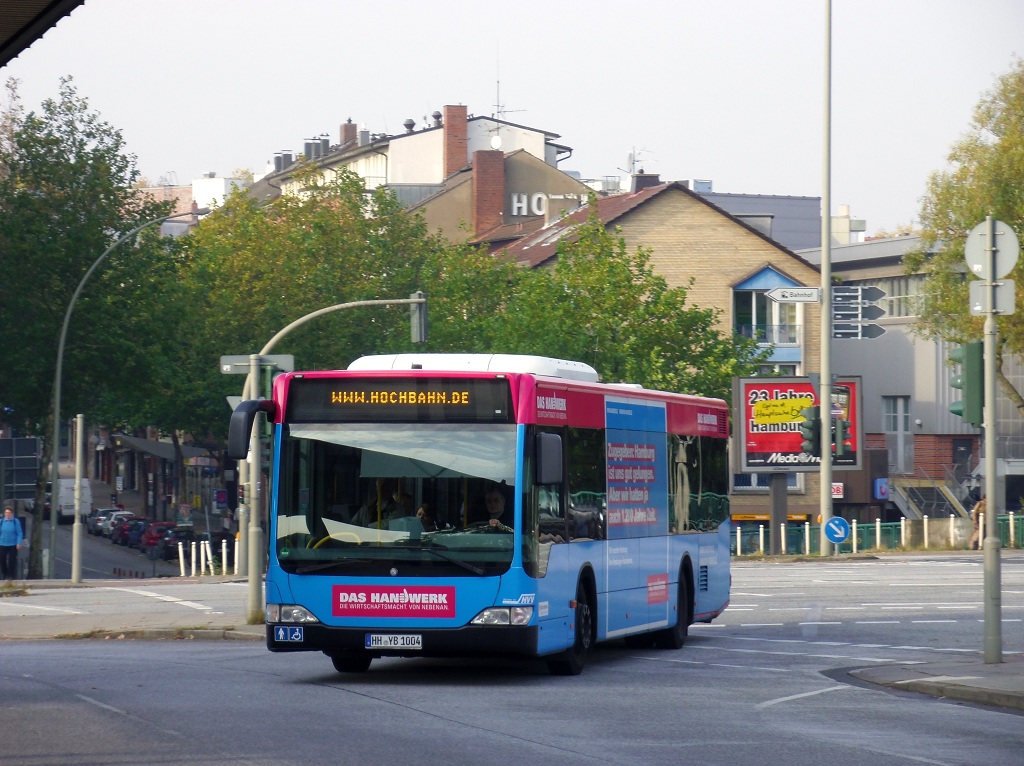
x=516, y=615
x=289, y=613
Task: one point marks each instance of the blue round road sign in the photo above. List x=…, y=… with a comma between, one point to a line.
x=837, y=529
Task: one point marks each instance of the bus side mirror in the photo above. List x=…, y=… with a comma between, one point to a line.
x=240, y=428
x=549, y=458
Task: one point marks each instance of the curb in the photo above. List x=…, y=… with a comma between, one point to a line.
x=164, y=634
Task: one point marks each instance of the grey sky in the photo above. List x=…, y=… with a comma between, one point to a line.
x=728, y=91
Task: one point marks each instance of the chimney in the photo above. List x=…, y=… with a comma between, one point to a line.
x=488, y=189
x=348, y=132
x=437, y=119
x=456, y=139
x=409, y=125
x=642, y=180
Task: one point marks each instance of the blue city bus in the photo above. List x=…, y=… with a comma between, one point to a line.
x=452, y=505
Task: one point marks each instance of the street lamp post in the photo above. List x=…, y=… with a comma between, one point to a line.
x=254, y=549
x=55, y=449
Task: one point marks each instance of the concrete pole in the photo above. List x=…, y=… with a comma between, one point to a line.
x=254, y=612
x=991, y=563
x=825, y=386
x=76, y=528
x=242, y=553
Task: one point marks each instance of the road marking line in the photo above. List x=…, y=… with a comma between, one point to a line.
x=792, y=697
x=12, y=607
x=161, y=597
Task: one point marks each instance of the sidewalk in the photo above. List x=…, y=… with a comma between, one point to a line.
x=972, y=680
x=997, y=685
x=26, y=618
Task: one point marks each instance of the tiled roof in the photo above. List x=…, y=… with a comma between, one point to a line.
x=538, y=248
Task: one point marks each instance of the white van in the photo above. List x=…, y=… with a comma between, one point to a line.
x=67, y=500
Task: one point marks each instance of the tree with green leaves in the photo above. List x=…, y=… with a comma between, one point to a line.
x=66, y=194
x=985, y=177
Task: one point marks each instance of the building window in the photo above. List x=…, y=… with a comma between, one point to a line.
x=903, y=294
x=757, y=316
x=899, y=441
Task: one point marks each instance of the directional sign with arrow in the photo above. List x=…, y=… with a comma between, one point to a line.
x=857, y=331
x=852, y=308
x=795, y=294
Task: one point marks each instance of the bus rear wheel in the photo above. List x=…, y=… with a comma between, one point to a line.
x=351, y=663
x=675, y=637
x=571, y=662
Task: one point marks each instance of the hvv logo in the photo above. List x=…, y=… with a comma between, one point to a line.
x=524, y=600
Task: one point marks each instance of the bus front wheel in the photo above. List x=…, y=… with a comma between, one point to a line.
x=571, y=662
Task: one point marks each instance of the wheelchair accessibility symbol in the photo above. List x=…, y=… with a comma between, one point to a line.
x=288, y=634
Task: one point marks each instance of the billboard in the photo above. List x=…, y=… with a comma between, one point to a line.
x=768, y=419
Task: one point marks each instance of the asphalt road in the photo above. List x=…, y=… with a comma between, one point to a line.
x=767, y=683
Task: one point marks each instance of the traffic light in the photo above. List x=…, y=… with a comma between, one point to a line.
x=810, y=429
x=418, y=317
x=840, y=436
x=970, y=381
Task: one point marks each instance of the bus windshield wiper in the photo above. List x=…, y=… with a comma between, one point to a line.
x=452, y=560
x=328, y=565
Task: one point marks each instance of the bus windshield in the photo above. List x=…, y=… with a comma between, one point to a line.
x=428, y=498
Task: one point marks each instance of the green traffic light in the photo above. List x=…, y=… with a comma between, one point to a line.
x=970, y=380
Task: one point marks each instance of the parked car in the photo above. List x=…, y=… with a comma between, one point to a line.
x=154, y=533
x=122, y=529
x=96, y=517
x=169, y=542
x=136, y=531
x=106, y=526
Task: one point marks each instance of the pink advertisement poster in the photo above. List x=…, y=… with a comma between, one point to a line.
x=392, y=601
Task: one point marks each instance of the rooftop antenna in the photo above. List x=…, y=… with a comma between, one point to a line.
x=499, y=108
x=633, y=161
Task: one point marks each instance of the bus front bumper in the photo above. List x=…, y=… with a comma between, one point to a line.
x=468, y=641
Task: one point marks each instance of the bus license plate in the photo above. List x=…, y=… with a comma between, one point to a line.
x=393, y=641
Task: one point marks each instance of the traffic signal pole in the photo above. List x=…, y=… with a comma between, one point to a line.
x=991, y=562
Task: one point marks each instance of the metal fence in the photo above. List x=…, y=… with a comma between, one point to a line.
x=941, y=533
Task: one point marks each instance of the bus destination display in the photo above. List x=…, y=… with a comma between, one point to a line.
x=423, y=400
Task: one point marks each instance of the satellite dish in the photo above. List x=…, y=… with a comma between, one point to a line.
x=496, y=142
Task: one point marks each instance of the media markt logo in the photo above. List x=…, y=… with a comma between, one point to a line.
x=790, y=458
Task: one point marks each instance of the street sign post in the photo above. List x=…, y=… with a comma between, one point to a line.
x=853, y=306
x=837, y=530
x=238, y=364
x=979, y=253
x=858, y=331
x=991, y=251
x=795, y=294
